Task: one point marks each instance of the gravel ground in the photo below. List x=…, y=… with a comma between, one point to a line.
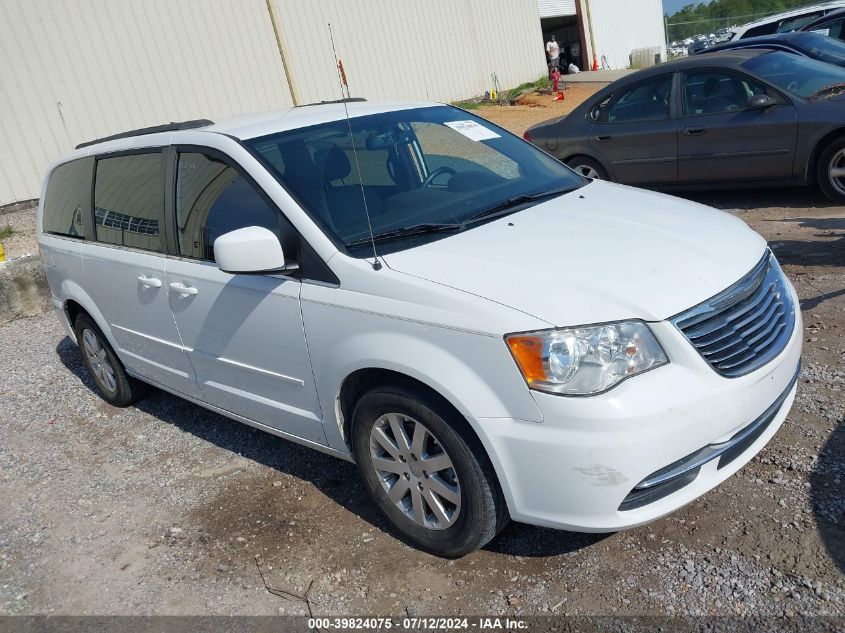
x=22, y=242
x=166, y=508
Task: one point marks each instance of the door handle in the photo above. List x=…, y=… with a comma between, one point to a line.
x=182, y=289
x=149, y=282
x=604, y=139
x=694, y=131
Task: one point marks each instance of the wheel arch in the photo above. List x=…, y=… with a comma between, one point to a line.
x=75, y=301
x=360, y=381
x=589, y=155
x=810, y=169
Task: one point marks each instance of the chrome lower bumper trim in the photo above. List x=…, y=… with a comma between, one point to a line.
x=682, y=472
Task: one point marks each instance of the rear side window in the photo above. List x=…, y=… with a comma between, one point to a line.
x=763, y=29
x=834, y=28
x=129, y=201
x=213, y=198
x=68, y=199
x=793, y=24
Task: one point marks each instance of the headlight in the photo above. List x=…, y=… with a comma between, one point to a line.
x=586, y=360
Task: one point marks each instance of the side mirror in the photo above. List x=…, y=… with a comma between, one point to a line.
x=760, y=102
x=252, y=249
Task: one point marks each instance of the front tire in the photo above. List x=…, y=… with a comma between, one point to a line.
x=425, y=471
x=831, y=170
x=113, y=384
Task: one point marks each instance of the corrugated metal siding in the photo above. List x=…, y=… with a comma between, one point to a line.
x=74, y=70
x=621, y=26
x=556, y=8
x=439, y=50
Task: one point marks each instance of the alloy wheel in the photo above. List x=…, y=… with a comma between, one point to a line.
x=99, y=361
x=836, y=171
x=586, y=171
x=415, y=471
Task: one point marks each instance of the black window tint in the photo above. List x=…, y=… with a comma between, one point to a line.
x=647, y=101
x=213, y=198
x=714, y=92
x=763, y=29
x=128, y=201
x=68, y=199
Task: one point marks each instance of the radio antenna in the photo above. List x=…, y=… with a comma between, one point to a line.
x=340, y=78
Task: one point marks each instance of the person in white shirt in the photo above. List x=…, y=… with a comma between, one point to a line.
x=553, y=53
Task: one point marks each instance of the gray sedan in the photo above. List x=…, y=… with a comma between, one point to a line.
x=745, y=118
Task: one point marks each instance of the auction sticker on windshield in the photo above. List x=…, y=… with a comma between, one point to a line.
x=472, y=130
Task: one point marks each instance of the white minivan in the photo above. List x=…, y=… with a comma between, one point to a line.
x=487, y=334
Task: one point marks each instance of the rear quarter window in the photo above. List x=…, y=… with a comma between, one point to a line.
x=67, y=201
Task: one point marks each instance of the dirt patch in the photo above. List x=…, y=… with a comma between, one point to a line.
x=533, y=109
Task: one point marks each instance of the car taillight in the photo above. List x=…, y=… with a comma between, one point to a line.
x=527, y=136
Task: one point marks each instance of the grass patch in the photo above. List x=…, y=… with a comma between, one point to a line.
x=506, y=95
x=468, y=105
x=539, y=84
x=6, y=232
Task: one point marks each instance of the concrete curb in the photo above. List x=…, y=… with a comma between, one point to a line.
x=14, y=207
x=23, y=289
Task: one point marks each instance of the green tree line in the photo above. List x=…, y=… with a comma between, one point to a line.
x=708, y=18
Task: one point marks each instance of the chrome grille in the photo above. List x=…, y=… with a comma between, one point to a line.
x=745, y=326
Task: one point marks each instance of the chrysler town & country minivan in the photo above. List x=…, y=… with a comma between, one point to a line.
x=487, y=334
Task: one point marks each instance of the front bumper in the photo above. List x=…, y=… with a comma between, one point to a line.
x=579, y=467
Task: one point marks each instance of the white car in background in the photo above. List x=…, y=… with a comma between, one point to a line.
x=785, y=22
x=485, y=333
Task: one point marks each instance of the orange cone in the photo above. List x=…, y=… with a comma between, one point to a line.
x=559, y=96
x=595, y=62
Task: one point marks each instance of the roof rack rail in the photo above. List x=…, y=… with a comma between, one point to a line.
x=346, y=100
x=168, y=127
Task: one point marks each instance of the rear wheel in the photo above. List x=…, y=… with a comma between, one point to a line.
x=113, y=384
x=431, y=480
x=831, y=170
x=587, y=167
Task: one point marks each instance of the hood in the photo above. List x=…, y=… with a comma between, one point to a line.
x=604, y=252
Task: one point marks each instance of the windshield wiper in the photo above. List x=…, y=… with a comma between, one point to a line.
x=828, y=91
x=510, y=205
x=406, y=231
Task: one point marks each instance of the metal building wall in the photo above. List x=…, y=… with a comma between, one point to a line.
x=439, y=50
x=621, y=26
x=74, y=70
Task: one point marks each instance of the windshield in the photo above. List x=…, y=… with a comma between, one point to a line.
x=425, y=172
x=800, y=76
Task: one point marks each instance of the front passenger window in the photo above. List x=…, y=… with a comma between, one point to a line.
x=715, y=92
x=213, y=198
x=647, y=101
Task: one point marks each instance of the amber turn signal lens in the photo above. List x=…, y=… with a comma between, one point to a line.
x=528, y=353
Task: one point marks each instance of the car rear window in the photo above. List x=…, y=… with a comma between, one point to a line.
x=800, y=76
x=68, y=199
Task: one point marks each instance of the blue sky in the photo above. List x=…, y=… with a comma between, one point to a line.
x=671, y=6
